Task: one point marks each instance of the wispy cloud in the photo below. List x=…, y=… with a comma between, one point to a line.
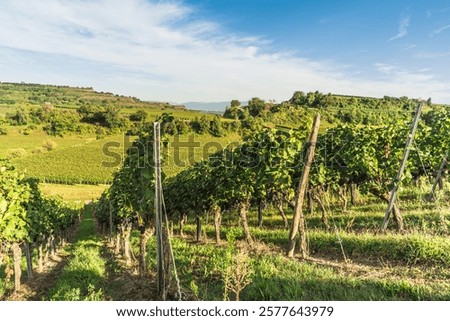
x=394, y=71
x=421, y=82
x=402, y=28
x=409, y=47
x=439, y=30
x=432, y=54
x=160, y=50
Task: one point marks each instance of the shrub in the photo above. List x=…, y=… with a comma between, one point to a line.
x=17, y=118
x=139, y=116
x=39, y=150
x=28, y=130
x=17, y=153
x=49, y=144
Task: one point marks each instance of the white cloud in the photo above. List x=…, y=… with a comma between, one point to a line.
x=432, y=54
x=439, y=30
x=417, y=84
x=402, y=28
x=157, y=51
x=408, y=47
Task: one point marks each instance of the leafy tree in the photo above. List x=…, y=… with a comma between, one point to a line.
x=216, y=127
x=234, y=112
x=182, y=126
x=18, y=118
x=298, y=98
x=113, y=118
x=39, y=115
x=256, y=106
x=60, y=123
x=92, y=115
x=139, y=116
x=168, y=124
x=85, y=112
x=235, y=103
x=200, y=125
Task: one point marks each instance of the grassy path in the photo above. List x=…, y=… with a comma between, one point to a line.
x=83, y=278
x=94, y=273
x=85, y=270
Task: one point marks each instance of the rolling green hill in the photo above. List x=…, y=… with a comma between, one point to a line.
x=45, y=133
x=58, y=133
x=13, y=94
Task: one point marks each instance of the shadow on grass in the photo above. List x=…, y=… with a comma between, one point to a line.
x=319, y=288
x=277, y=278
x=125, y=284
x=35, y=289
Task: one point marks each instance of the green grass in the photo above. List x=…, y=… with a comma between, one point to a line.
x=426, y=220
x=423, y=244
x=86, y=162
x=81, y=163
x=14, y=139
x=3, y=285
x=275, y=278
x=409, y=266
x=82, y=279
x=73, y=193
x=409, y=249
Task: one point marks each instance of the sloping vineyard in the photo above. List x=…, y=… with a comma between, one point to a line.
x=262, y=173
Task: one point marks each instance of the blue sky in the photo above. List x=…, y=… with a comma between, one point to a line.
x=218, y=50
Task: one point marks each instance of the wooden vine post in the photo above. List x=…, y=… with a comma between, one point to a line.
x=298, y=222
x=17, y=257
x=161, y=281
x=111, y=235
x=217, y=221
x=393, y=193
x=438, y=178
x=29, y=260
